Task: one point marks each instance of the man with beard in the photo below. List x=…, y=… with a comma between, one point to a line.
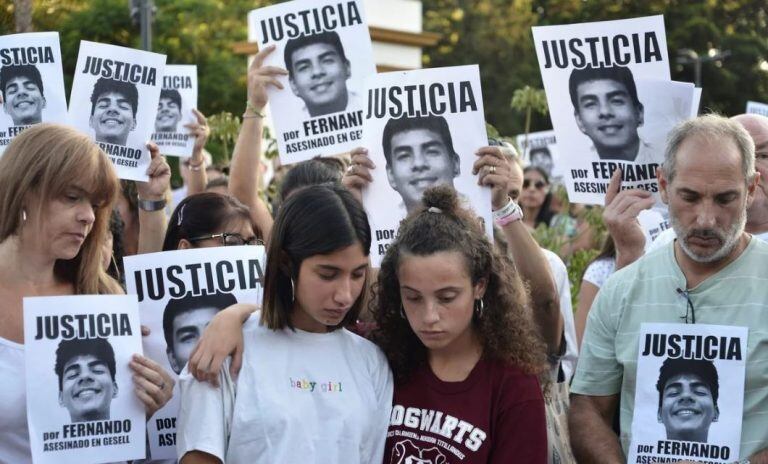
x=86, y=371
x=113, y=110
x=168, y=111
x=22, y=91
x=714, y=274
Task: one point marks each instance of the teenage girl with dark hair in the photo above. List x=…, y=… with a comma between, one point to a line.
x=309, y=390
x=536, y=197
x=464, y=350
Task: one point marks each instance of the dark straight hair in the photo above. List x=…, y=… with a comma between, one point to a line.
x=202, y=214
x=314, y=220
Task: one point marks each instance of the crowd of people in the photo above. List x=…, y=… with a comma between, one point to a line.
x=457, y=336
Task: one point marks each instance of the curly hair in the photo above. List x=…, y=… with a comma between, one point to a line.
x=505, y=327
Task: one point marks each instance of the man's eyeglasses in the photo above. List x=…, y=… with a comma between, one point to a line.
x=228, y=239
x=539, y=184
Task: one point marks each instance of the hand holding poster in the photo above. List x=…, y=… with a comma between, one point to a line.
x=689, y=397
x=179, y=292
x=590, y=73
x=31, y=83
x=174, y=110
x=114, y=99
x=326, y=49
x=81, y=405
x=422, y=128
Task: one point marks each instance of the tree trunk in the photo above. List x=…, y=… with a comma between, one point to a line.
x=23, y=15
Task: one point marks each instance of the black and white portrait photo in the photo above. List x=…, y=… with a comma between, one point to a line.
x=23, y=97
x=689, y=395
x=113, y=110
x=179, y=293
x=688, y=391
x=31, y=83
x=168, y=111
x=86, y=371
x=422, y=129
x=325, y=48
x=419, y=153
x=607, y=110
x=82, y=407
x=175, y=111
x=541, y=157
x=611, y=102
x=115, y=91
x=318, y=71
x=184, y=320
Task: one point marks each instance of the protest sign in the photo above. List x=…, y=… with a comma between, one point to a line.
x=591, y=74
x=81, y=406
x=757, y=108
x=540, y=149
x=422, y=128
x=179, y=292
x=31, y=83
x=689, y=397
x=326, y=49
x=174, y=110
x=114, y=99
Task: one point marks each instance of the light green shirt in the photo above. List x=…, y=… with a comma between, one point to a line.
x=646, y=291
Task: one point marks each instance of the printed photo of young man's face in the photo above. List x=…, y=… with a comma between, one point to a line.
x=187, y=328
x=687, y=408
x=112, y=119
x=607, y=115
x=23, y=102
x=420, y=159
x=87, y=388
x=168, y=115
x=319, y=77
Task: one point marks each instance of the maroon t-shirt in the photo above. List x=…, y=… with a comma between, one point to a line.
x=494, y=416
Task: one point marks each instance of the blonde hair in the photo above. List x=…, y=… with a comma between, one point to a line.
x=45, y=161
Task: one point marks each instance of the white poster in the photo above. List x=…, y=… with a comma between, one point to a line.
x=422, y=128
x=689, y=396
x=540, y=149
x=757, y=108
x=591, y=74
x=31, y=83
x=81, y=405
x=326, y=49
x=114, y=99
x=179, y=292
x=174, y=110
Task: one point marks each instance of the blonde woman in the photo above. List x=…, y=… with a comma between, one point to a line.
x=57, y=189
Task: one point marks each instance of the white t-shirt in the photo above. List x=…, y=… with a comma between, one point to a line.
x=560, y=273
x=599, y=270
x=300, y=397
x=669, y=236
x=14, y=435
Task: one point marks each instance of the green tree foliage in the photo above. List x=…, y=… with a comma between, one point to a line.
x=496, y=35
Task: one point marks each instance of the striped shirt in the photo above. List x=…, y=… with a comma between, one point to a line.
x=646, y=291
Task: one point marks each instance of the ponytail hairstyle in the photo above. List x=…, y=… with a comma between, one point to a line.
x=505, y=328
x=314, y=220
x=203, y=214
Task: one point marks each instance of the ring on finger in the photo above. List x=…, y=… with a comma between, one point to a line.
x=351, y=169
x=490, y=169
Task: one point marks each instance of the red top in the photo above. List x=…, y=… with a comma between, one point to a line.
x=494, y=416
